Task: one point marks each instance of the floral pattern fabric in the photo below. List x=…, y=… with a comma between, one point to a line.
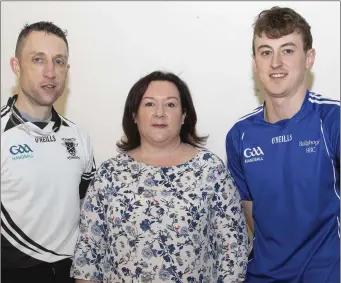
x=148, y=224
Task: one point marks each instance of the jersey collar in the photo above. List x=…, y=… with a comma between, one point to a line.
x=55, y=116
x=300, y=113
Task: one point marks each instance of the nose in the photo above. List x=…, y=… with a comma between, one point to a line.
x=159, y=111
x=49, y=70
x=276, y=61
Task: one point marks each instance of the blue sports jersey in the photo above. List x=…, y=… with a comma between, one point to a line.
x=290, y=170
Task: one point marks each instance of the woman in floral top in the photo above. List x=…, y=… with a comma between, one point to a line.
x=165, y=209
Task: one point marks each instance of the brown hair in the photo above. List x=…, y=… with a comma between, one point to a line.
x=47, y=27
x=188, y=132
x=278, y=22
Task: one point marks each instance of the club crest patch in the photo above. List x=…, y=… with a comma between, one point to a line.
x=70, y=144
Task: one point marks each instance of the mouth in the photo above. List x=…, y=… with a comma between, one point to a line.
x=159, y=126
x=278, y=75
x=48, y=86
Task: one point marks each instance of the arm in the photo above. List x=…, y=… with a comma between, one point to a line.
x=86, y=179
x=90, y=247
x=236, y=170
x=229, y=230
x=247, y=205
x=89, y=172
x=332, y=126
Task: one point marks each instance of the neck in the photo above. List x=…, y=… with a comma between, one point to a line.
x=159, y=150
x=28, y=106
x=281, y=108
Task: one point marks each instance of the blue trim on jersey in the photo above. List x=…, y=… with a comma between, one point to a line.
x=290, y=170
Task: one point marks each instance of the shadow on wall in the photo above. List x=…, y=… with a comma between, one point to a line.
x=60, y=104
x=259, y=90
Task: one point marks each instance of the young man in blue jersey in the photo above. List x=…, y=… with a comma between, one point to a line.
x=285, y=159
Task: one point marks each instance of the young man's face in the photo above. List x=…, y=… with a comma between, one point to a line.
x=42, y=67
x=281, y=63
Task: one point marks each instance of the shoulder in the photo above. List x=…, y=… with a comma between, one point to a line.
x=5, y=109
x=212, y=169
x=72, y=125
x=114, y=164
x=327, y=108
x=5, y=114
x=210, y=159
x=77, y=130
x=245, y=122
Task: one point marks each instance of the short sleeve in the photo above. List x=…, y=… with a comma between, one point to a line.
x=89, y=170
x=234, y=165
x=332, y=126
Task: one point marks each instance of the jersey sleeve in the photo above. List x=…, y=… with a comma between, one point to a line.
x=90, y=169
x=234, y=163
x=332, y=126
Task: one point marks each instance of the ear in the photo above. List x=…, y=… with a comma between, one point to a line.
x=134, y=117
x=254, y=65
x=310, y=58
x=183, y=117
x=67, y=68
x=15, y=65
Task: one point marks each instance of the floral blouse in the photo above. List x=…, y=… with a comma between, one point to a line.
x=143, y=223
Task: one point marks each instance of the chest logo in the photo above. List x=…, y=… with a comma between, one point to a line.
x=71, y=145
x=51, y=138
x=21, y=151
x=310, y=146
x=281, y=139
x=253, y=154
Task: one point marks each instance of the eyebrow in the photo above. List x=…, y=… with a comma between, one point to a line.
x=283, y=45
x=169, y=97
x=42, y=53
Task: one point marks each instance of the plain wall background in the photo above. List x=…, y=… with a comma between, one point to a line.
x=113, y=44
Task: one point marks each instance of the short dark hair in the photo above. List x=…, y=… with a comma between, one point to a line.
x=278, y=22
x=188, y=133
x=47, y=27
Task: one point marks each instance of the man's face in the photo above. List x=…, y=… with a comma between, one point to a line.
x=281, y=63
x=42, y=67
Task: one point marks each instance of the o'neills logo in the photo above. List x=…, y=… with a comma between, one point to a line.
x=45, y=139
x=280, y=139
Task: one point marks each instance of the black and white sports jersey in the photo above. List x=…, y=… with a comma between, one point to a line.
x=43, y=178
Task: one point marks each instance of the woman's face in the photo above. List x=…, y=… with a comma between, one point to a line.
x=159, y=117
